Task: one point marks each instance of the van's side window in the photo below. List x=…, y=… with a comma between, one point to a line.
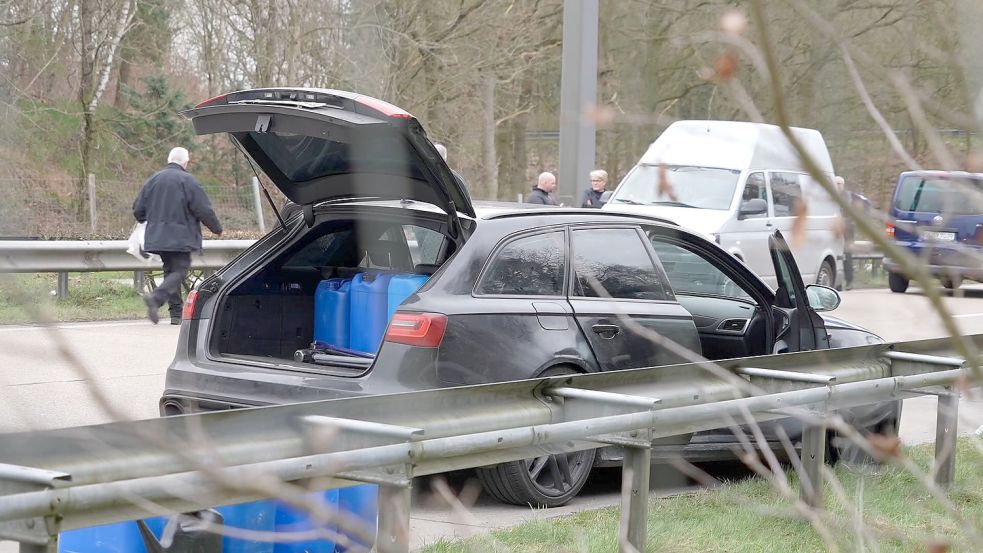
x=785, y=192
x=755, y=189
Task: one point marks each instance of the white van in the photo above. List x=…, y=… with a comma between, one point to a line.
x=738, y=182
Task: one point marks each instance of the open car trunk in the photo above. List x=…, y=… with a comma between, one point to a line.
x=323, y=302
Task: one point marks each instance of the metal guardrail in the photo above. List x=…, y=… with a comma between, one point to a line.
x=75, y=256
x=65, y=479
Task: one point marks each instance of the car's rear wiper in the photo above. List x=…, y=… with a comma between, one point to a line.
x=627, y=201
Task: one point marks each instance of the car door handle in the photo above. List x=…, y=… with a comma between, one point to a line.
x=606, y=331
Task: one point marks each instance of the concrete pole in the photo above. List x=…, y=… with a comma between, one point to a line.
x=578, y=94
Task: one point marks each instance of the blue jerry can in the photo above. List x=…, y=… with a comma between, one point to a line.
x=400, y=288
x=369, y=298
x=289, y=519
x=332, y=308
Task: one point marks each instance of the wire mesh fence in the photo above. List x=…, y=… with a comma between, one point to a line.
x=59, y=208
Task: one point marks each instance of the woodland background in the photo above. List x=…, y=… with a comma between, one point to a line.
x=96, y=86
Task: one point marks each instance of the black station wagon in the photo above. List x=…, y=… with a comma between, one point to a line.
x=384, y=277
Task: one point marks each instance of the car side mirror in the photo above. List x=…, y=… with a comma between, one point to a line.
x=822, y=298
x=606, y=195
x=754, y=206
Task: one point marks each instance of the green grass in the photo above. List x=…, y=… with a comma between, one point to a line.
x=91, y=297
x=748, y=516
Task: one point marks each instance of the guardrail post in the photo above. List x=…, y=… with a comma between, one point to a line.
x=91, y=181
x=139, y=279
x=62, y=291
x=393, y=533
x=634, y=499
x=813, y=457
x=947, y=419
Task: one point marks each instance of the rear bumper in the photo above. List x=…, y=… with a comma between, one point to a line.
x=942, y=259
x=940, y=271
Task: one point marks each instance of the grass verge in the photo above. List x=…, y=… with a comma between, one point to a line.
x=91, y=297
x=748, y=516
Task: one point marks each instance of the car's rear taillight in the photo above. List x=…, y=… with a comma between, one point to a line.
x=889, y=230
x=190, y=304
x=383, y=107
x=417, y=329
x=213, y=100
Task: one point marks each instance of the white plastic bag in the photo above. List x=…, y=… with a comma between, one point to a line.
x=135, y=247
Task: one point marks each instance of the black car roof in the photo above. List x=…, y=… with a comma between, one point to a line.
x=502, y=210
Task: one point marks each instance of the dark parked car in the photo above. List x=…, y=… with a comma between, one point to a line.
x=938, y=216
x=511, y=291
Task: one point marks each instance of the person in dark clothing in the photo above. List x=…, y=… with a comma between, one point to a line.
x=592, y=196
x=545, y=184
x=174, y=206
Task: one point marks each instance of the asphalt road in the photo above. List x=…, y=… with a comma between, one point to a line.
x=126, y=360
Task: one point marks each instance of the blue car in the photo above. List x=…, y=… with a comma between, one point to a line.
x=938, y=217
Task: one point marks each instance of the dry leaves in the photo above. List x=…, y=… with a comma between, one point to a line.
x=800, y=224
x=885, y=446
x=665, y=187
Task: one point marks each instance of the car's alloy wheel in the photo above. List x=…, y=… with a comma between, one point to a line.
x=546, y=481
x=897, y=283
x=826, y=276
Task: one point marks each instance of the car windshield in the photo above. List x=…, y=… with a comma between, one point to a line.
x=956, y=196
x=683, y=186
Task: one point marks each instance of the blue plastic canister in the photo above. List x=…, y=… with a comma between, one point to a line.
x=121, y=537
x=289, y=519
x=124, y=537
x=369, y=300
x=400, y=288
x=361, y=502
x=259, y=516
x=332, y=308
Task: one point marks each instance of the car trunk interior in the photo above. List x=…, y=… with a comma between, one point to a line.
x=271, y=315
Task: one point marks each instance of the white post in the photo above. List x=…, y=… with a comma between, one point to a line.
x=258, y=205
x=92, y=202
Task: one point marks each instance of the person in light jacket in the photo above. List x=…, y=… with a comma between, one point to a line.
x=174, y=206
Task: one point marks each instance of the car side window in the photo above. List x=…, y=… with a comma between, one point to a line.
x=615, y=263
x=527, y=266
x=691, y=273
x=424, y=244
x=786, y=192
x=755, y=189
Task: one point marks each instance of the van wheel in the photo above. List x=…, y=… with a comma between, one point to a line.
x=826, y=275
x=547, y=481
x=897, y=283
x=952, y=283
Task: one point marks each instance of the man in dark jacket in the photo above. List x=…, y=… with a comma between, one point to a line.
x=545, y=184
x=173, y=205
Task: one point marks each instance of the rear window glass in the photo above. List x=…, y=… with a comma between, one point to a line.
x=302, y=158
x=940, y=195
x=529, y=266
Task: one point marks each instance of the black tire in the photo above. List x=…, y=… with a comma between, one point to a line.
x=543, y=482
x=826, y=275
x=897, y=283
x=843, y=450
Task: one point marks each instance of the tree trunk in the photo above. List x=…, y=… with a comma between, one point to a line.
x=490, y=163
